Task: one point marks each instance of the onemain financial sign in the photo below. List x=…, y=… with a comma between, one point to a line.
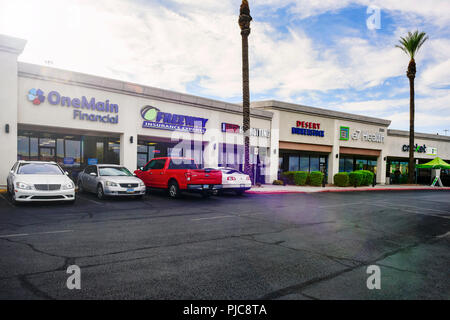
x=156, y=119
x=79, y=105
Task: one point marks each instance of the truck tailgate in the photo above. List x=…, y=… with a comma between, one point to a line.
x=201, y=176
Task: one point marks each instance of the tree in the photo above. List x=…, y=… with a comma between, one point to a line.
x=411, y=45
x=244, y=24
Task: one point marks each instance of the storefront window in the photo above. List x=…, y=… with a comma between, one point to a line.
x=304, y=163
x=72, y=157
x=314, y=163
x=34, y=149
x=293, y=163
x=66, y=150
x=23, y=148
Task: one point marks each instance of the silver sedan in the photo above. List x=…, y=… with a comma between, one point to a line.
x=110, y=180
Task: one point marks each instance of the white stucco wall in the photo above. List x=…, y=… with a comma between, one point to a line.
x=10, y=48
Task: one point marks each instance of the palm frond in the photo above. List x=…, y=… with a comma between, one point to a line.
x=412, y=42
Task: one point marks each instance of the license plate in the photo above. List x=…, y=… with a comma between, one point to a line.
x=206, y=186
x=130, y=190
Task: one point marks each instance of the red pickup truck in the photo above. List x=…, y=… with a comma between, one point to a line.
x=176, y=174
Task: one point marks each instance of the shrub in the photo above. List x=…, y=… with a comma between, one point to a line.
x=277, y=182
x=368, y=177
x=341, y=179
x=300, y=178
x=316, y=178
x=355, y=178
x=287, y=177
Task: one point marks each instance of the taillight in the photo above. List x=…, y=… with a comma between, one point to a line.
x=231, y=178
x=247, y=178
x=188, y=176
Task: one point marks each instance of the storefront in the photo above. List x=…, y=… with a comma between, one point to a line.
x=426, y=148
x=77, y=119
x=314, y=139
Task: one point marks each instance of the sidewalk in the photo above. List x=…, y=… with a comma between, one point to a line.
x=271, y=189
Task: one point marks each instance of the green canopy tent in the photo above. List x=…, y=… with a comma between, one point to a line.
x=437, y=164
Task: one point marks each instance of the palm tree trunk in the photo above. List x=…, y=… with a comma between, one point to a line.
x=246, y=104
x=411, y=73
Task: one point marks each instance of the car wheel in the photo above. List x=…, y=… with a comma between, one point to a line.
x=13, y=198
x=239, y=192
x=8, y=190
x=174, y=189
x=100, y=192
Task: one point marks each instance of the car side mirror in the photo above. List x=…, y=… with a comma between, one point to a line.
x=141, y=168
x=11, y=171
x=66, y=173
x=93, y=174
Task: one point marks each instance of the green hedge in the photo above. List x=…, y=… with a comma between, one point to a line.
x=355, y=178
x=341, y=179
x=367, y=177
x=300, y=178
x=316, y=178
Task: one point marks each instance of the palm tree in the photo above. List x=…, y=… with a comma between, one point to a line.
x=244, y=24
x=411, y=45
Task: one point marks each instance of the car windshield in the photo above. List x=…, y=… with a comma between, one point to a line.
x=39, y=168
x=114, y=171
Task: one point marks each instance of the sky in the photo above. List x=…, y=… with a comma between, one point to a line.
x=330, y=54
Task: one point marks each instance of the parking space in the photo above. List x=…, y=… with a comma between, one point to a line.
x=227, y=247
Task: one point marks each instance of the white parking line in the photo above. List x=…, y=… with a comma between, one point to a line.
x=218, y=217
x=32, y=234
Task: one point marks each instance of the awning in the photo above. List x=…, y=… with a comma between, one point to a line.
x=436, y=163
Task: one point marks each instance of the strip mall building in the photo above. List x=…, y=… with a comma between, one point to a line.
x=78, y=119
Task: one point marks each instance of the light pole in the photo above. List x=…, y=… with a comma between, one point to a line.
x=244, y=24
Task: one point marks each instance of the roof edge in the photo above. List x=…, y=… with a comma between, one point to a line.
x=405, y=133
x=275, y=104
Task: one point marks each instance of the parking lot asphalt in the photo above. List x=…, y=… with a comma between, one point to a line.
x=284, y=246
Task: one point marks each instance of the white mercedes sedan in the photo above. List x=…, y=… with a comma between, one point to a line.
x=39, y=181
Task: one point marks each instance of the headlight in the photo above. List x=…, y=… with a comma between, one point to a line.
x=141, y=184
x=111, y=184
x=21, y=185
x=68, y=186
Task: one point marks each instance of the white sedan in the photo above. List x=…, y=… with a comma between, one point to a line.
x=39, y=181
x=234, y=181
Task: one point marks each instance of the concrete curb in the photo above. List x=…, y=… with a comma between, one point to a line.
x=348, y=190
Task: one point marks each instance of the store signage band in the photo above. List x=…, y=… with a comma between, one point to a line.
x=156, y=119
x=235, y=128
x=308, y=129
x=365, y=136
x=36, y=96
